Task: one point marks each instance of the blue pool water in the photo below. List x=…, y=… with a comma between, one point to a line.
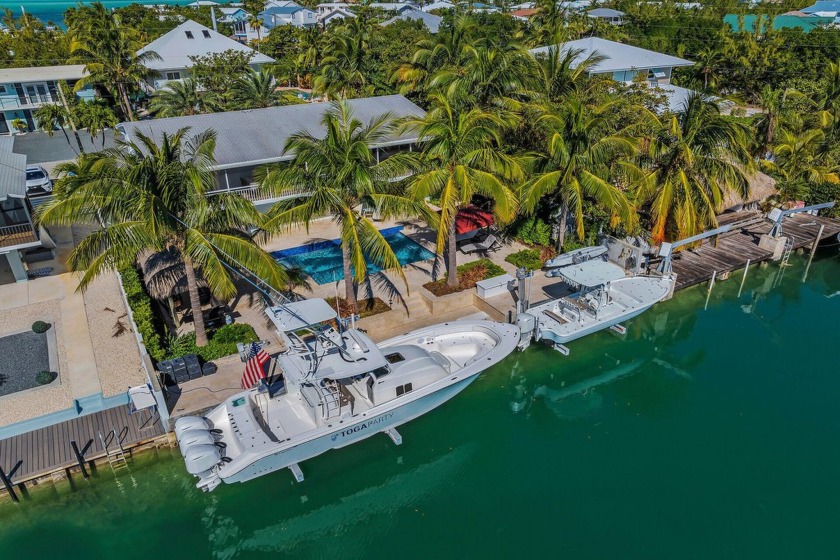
x=322, y=261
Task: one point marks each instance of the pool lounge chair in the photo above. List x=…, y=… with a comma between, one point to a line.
x=488, y=244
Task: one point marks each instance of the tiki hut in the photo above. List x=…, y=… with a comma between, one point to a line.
x=762, y=187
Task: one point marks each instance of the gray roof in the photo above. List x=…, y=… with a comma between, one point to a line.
x=605, y=13
x=12, y=170
x=431, y=21
x=257, y=136
x=175, y=47
x=618, y=55
x=42, y=73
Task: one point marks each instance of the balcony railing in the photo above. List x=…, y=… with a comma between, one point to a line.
x=28, y=101
x=257, y=194
x=17, y=235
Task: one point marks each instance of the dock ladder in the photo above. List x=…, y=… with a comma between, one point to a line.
x=114, y=450
x=788, y=250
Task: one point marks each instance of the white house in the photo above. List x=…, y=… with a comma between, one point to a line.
x=190, y=39
x=288, y=15
x=626, y=63
x=607, y=14
x=24, y=90
x=327, y=7
x=431, y=21
x=334, y=15
x=440, y=5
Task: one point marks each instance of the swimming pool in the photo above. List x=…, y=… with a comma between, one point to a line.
x=322, y=261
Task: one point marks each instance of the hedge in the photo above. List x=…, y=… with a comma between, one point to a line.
x=141, y=309
x=222, y=342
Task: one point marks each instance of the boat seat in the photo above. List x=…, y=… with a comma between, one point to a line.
x=559, y=318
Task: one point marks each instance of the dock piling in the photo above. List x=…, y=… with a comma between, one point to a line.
x=7, y=481
x=711, y=285
x=744, y=277
x=813, y=250
x=80, y=456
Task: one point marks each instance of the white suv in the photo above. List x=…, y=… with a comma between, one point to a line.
x=37, y=180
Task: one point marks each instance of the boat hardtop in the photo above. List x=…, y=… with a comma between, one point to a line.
x=337, y=386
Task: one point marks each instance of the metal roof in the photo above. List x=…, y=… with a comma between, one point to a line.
x=431, y=21
x=175, y=48
x=604, y=13
x=42, y=73
x=257, y=136
x=618, y=55
x=12, y=171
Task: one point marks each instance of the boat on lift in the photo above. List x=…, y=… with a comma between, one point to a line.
x=602, y=295
x=573, y=257
x=338, y=387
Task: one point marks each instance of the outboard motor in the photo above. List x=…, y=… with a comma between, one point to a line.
x=527, y=324
x=202, y=458
x=188, y=423
x=192, y=438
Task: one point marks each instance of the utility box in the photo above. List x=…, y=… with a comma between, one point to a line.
x=494, y=286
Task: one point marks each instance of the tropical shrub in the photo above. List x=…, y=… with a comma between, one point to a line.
x=527, y=258
x=141, y=309
x=468, y=275
x=40, y=327
x=222, y=343
x=532, y=231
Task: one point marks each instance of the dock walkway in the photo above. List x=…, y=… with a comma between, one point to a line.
x=733, y=248
x=48, y=449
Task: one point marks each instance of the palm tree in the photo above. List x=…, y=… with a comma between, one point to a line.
x=797, y=163
x=779, y=111
x=151, y=197
x=694, y=159
x=462, y=157
x=178, y=98
x=559, y=74
x=581, y=155
x=52, y=116
x=708, y=61
x=344, y=70
x=445, y=50
x=255, y=90
x=97, y=117
x=108, y=49
x=337, y=175
x=255, y=24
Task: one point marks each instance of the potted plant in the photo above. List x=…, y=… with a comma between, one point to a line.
x=20, y=125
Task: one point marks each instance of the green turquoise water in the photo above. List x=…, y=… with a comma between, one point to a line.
x=710, y=431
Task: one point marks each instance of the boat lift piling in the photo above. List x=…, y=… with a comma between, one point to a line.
x=7, y=481
x=813, y=251
x=709, y=292
x=80, y=456
x=744, y=278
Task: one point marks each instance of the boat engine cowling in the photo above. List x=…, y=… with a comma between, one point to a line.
x=187, y=423
x=201, y=458
x=191, y=438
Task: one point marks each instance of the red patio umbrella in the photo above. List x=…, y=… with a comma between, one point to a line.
x=470, y=218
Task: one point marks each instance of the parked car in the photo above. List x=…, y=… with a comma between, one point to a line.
x=37, y=180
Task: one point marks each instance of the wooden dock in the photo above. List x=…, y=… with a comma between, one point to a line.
x=735, y=247
x=48, y=450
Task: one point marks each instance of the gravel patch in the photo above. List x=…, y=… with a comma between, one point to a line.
x=22, y=356
x=117, y=357
x=50, y=398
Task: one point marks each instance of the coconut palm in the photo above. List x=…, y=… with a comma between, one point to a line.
x=462, y=157
x=338, y=174
x=344, y=70
x=581, y=159
x=255, y=23
x=52, y=116
x=560, y=73
x=445, y=50
x=97, y=117
x=257, y=89
x=694, y=159
x=798, y=163
x=779, y=111
x=108, y=49
x=178, y=98
x=151, y=197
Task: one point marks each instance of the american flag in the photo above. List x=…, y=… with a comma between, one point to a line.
x=255, y=368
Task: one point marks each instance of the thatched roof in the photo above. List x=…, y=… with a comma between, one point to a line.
x=762, y=187
x=164, y=274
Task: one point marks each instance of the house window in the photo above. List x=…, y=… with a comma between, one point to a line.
x=206, y=34
x=189, y=34
x=173, y=75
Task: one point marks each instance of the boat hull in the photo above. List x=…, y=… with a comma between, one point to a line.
x=553, y=336
x=350, y=432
